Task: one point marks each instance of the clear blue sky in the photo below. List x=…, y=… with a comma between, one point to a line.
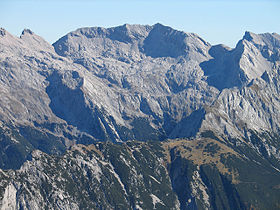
x=216, y=21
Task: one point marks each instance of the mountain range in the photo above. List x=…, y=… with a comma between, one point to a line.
x=139, y=117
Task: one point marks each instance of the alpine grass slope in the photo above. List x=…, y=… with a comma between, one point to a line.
x=139, y=117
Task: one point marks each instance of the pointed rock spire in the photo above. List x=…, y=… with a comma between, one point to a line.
x=27, y=31
x=2, y=32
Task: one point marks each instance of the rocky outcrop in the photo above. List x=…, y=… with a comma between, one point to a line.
x=176, y=174
x=139, y=82
x=136, y=82
x=137, y=179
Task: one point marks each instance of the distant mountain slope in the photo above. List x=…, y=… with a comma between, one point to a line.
x=144, y=83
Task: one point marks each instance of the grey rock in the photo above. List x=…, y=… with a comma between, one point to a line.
x=2, y=32
x=139, y=82
x=70, y=181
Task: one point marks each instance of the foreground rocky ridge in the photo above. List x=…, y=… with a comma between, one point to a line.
x=176, y=174
x=143, y=83
x=101, y=176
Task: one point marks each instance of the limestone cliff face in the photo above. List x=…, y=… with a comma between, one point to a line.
x=136, y=82
x=111, y=81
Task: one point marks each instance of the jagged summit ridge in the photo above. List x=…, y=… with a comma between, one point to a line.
x=2, y=32
x=190, y=120
x=269, y=39
x=108, y=84
x=155, y=41
x=26, y=31
x=126, y=29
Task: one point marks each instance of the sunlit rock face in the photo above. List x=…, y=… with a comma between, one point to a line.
x=143, y=83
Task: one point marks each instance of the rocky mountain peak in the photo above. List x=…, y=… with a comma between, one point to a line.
x=2, y=32
x=131, y=42
x=205, y=114
x=31, y=39
x=133, y=32
x=249, y=35
x=127, y=33
x=255, y=53
x=265, y=40
x=27, y=32
x=6, y=37
x=163, y=41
